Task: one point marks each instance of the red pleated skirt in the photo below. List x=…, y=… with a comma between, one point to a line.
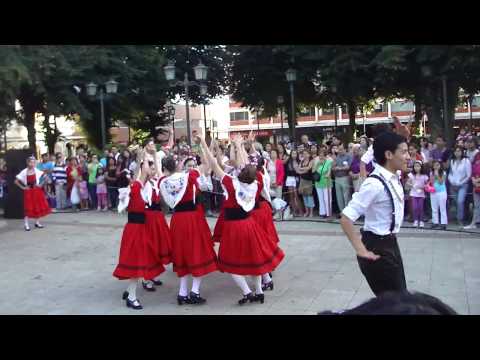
x=159, y=235
x=263, y=216
x=35, y=203
x=217, y=231
x=246, y=249
x=137, y=259
x=192, y=245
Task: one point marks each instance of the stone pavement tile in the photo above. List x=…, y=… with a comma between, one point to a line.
x=333, y=300
x=344, y=282
x=294, y=300
x=474, y=308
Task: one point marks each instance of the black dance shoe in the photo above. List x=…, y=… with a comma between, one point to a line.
x=259, y=297
x=246, y=298
x=125, y=295
x=39, y=226
x=267, y=286
x=183, y=300
x=196, y=298
x=157, y=282
x=135, y=304
x=148, y=288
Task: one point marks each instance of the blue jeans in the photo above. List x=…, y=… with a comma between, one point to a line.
x=460, y=194
x=308, y=201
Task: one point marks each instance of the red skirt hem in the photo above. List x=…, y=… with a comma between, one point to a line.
x=192, y=245
x=160, y=238
x=246, y=249
x=35, y=203
x=263, y=216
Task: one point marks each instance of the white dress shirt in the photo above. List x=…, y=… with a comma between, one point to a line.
x=460, y=172
x=373, y=202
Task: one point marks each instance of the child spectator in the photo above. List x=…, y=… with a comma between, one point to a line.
x=83, y=190
x=101, y=191
x=438, y=199
x=417, y=180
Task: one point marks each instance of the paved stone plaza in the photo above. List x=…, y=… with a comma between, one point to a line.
x=67, y=268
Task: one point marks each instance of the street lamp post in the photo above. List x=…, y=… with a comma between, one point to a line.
x=201, y=72
x=170, y=110
x=291, y=75
x=280, y=102
x=111, y=87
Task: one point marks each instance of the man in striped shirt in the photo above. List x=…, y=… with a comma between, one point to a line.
x=59, y=176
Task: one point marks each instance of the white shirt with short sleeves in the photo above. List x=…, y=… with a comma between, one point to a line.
x=373, y=202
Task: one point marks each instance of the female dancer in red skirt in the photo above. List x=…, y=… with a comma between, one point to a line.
x=35, y=203
x=192, y=246
x=262, y=213
x=155, y=221
x=138, y=258
x=245, y=248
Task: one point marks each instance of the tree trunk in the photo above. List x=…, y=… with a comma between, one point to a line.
x=352, y=125
x=434, y=104
x=29, y=122
x=418, y=109
x=452, y=94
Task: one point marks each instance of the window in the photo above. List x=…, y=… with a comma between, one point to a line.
x=307, y=111
x=402, y=106
x=476, y=101
x=380, y=108
x=328, y=111
x=239, y=115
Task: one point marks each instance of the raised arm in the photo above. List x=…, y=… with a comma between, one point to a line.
x=213, y=163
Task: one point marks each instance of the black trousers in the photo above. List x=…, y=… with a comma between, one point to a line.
x=385, y=273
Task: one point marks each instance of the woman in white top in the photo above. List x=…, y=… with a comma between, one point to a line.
x=458, y=177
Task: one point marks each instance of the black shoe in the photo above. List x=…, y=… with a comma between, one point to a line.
x=435, y=226
x=27, y=228
x=135, y=304
x=39, y=226
x=157, y=282
x=267, y=286
x=443, y=227
x=183, y=300
x=246, y=298
x=196, y=298
x=259, y=297
x=145, y=286
x=125, y=295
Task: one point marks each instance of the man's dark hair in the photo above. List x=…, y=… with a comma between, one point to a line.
x=387, y=141
x=400, y=303
x=170, y=164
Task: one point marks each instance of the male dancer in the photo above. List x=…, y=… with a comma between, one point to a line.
x=381, y=200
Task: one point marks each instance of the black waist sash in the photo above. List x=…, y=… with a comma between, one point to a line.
x=235, y=214
x=136, y=218
x=186, y=206
x=155, y=207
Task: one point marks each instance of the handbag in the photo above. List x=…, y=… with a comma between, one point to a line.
x=429, y=188
x=317, y=176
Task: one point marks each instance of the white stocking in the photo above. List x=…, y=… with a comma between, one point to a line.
x=258, y=284
x=183, y=286
x=242, y=283
x=196, y=284
x=266, y=278
x=132, y=289
x=26, y=221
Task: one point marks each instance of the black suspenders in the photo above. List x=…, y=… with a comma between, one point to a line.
x=387, y=189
